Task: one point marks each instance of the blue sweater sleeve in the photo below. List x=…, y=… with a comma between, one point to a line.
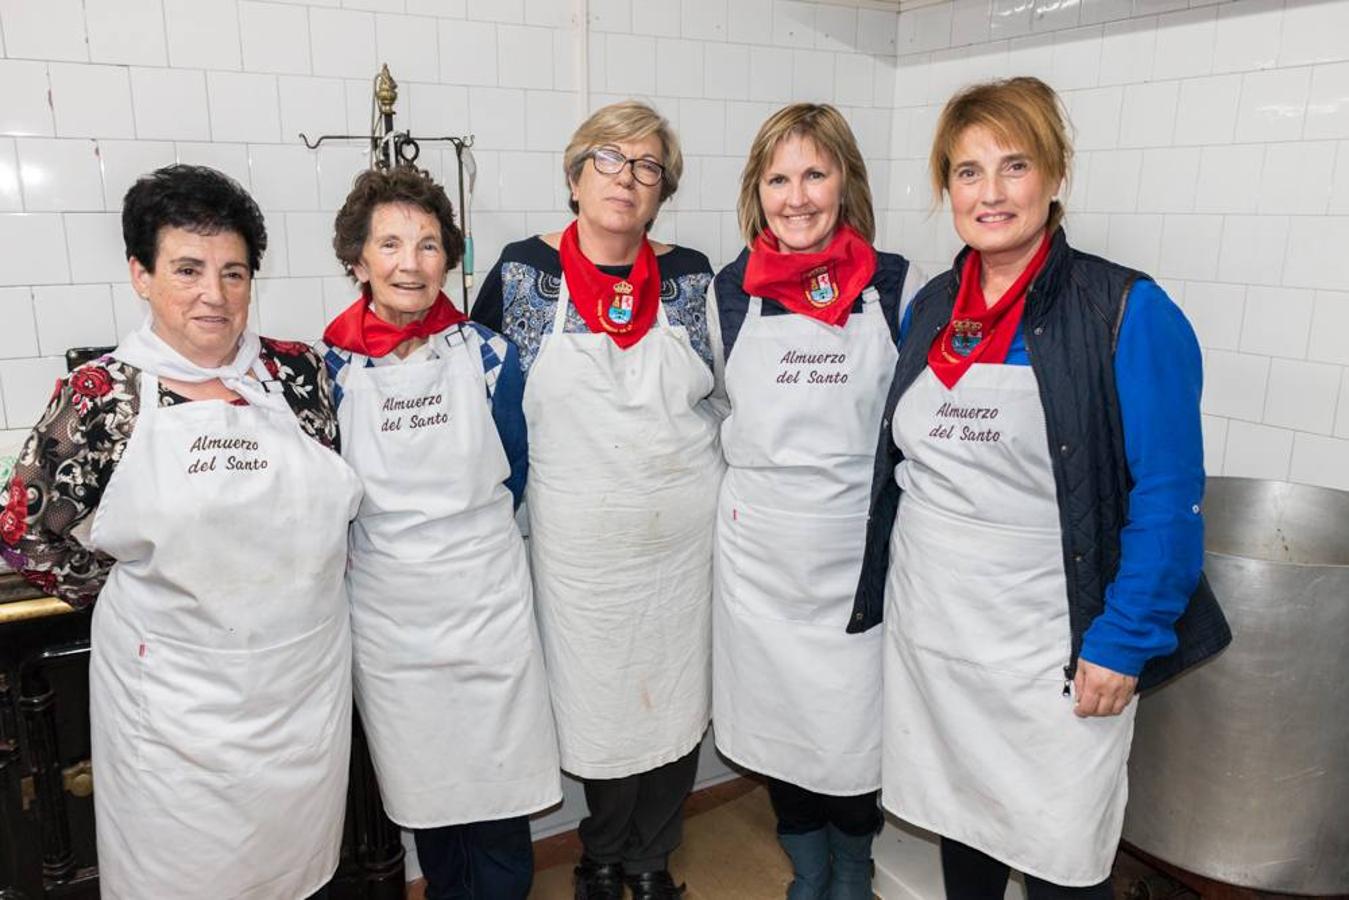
x=1159, y=378
x=905, y=322
x=509, y=415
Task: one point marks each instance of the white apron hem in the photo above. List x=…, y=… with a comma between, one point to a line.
x=624, y=769
x=955, y=835
x=744, y=762
x=528, y=809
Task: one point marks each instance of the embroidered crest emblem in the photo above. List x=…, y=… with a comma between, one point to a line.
x=966, y=335
x=618, y=314
x=820, y=290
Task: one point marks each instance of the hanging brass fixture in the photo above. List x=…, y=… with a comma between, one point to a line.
x=389, y=147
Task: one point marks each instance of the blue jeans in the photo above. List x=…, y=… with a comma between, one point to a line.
x=491, y=860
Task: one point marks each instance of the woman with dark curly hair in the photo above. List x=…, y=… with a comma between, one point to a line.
x=449, y=671
x=188, y=482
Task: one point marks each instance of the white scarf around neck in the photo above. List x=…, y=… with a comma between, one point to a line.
x=149, y=352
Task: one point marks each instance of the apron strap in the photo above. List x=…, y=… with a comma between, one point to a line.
x=871, y=299
x=661, y=318
x=269, y=384
x=563, y=299
x=149, y=393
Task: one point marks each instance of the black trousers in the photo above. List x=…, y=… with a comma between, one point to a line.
x=800, y=810
x=638, y=820
x=973, y=875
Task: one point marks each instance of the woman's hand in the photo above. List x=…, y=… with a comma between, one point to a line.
x=1101, y=691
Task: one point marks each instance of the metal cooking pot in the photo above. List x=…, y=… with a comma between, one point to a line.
x=1240, y=768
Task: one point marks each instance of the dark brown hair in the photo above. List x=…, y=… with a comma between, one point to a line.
x=401, y=184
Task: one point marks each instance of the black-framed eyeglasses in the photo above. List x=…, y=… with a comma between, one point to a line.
x=609, y=161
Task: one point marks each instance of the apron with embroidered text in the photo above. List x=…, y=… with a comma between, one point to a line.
x=448, y=668
x=794, y=695
x=220, y=671
x=623, y=474
x=981, y=744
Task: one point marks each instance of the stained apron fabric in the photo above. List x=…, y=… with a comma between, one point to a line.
x=448, y=667
x=981, y=745
x=794, y=695
x=623, y=474
x=220, y=665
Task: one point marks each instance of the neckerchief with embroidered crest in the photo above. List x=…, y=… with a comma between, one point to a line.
x=978, y=332
x=622, y=308
x=822, y=285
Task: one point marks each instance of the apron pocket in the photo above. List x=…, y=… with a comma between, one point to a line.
x=211, y=711
x=978, y=594
x=788, y=566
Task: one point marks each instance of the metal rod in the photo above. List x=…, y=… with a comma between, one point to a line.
x=463, y=223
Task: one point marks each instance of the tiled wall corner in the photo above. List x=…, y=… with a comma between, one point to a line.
x=1212, y=147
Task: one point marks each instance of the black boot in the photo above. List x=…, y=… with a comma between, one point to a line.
x=598, y=881
x=656, y=885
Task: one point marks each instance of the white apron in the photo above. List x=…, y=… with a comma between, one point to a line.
x=220, y=672
x=624, y=469
x=981, y=743
x=794, y=695
x=448, y=668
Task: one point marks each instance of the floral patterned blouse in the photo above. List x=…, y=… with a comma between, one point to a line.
x=69, y=458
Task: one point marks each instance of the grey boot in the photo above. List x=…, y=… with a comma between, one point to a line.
x=851, y=862
x=809, y=854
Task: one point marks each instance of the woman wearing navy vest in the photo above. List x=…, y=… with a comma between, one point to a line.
x=1035, y=533
x=803, y=326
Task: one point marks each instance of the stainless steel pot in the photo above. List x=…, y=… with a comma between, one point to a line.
x=1240, y=768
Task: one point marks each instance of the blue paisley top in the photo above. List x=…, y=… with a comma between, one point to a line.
x=518, y=297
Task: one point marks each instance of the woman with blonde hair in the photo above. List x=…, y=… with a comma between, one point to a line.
x=623, y=474
x=1035, y=534
x=807, y=318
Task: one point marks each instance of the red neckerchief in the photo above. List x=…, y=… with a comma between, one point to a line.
x=978, y=332
x=359, y=330
x=821, y=285
x=622, y=308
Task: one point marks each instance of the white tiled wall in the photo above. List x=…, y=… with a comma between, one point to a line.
x=1213, y=153
x=94, y=93
x=1213, y=150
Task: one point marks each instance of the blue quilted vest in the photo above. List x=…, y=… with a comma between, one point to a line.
x=1073, y=312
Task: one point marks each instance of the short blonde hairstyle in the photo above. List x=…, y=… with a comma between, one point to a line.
x=828, y=130
x=629, y=120
x=1022, y=113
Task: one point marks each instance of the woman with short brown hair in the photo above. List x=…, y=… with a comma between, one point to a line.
x=622, y=490
x=1034, y=535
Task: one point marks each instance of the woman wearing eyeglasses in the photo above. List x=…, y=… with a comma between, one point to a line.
x=624, y=471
